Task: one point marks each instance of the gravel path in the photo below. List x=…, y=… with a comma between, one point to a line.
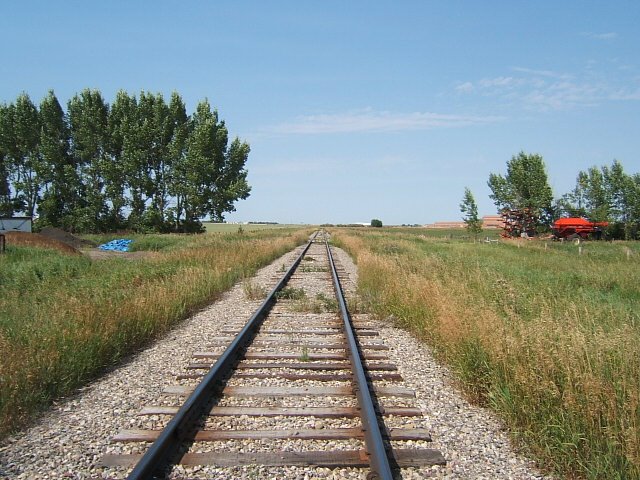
x=69, y=440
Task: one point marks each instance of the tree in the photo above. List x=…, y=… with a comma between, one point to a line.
x=607, y=194
x=88, y=121
x=470, y=210
x=122, y=116
x=215, y=175
x=6, y=159
x=26, y=163
x=376, y=223
x=525, y=187
x=86, y=169
x=60, y=196
x=176, y=159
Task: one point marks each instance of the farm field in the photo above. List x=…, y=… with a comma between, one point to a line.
x=250, y=227
x=65, y=318
x=548, y=338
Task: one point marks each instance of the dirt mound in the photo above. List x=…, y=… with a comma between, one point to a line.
x=25, y=239
x=66, y=237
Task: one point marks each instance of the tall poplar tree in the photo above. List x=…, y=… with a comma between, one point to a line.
x=88, y=120
x=60, y=196
x=27, y=168
x=7, y=144
x=177, y=159
x=121, y=114
x=215, y=175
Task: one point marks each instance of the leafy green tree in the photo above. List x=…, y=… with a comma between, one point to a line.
x=470, y=210
x=88, y=120
x=7, y=147
x=86, y=169
x=122, y=115
x=525, y=186
x=376, y=223
x=27, y=167
x=607, y=194
x=177, y=159
x=60, y=196
x=215, y=176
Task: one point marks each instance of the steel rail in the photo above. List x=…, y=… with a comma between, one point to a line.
x=158, y=457
x=378, y=459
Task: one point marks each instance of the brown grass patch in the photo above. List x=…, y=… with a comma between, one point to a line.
x=24, y=239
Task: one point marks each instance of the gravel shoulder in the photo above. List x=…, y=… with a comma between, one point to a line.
x=69, y=440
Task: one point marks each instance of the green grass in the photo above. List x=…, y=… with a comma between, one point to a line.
x=544, y=335
x=64, y=319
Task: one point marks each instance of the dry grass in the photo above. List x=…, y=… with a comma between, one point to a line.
x=24, y=239
x=64, y=319
x=548, y=338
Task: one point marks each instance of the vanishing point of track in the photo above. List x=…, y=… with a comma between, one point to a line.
x=297, y=354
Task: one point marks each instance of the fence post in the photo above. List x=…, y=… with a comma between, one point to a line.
x=2, y=243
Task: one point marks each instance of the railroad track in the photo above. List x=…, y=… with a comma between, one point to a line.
x=300, y=381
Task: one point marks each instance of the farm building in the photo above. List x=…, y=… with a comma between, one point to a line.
x=15, y=224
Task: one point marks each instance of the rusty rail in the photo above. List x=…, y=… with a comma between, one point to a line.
x=159, y=455
x=380, y=466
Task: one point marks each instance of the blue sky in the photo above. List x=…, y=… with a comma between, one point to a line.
x=357, y=110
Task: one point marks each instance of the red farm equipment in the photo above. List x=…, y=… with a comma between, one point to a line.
x=577, y=227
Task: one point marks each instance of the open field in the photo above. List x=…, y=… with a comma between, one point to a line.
x=64, y=318
x=547, y=337
x=234, y=227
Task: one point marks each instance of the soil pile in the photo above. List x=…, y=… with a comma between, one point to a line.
x=66, y=237
x=25, y=239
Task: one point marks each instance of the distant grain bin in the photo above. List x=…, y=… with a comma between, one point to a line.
x=15, y=224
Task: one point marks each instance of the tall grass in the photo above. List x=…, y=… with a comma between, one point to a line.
x=64, y=319
x=547, y=337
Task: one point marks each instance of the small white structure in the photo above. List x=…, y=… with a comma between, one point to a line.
x=15, y=224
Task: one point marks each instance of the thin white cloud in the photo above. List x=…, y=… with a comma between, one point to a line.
x=602, y=36
x=544, y=90
x=497, y=82
x=465, y=87
x=377, y=121
x=541, y=73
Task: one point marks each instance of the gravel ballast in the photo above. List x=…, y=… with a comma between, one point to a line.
x=69, y=440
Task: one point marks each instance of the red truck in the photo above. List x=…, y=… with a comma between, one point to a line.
x=577, y=227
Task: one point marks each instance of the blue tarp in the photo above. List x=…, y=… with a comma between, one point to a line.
x=119, y=245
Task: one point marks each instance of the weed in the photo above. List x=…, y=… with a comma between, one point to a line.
x=291, y=293
x=329, y=304
x=313, y=269
x=253, y=291
x=304, y=356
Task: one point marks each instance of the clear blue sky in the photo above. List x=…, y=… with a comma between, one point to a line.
x=357, y=109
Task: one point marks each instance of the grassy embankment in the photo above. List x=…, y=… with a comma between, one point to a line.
x=64, y=318
x=548, y=338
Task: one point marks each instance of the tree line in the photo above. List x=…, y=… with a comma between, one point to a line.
x=140, y=163
x=601, y=194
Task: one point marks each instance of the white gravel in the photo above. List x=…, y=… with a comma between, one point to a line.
x=69, y=440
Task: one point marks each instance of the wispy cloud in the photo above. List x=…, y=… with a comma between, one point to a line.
x=465, y=87
x=370, y=120
x=543, y=90
x=601, y=36
x=541, y=73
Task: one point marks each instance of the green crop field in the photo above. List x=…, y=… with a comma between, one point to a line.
x=546, y=334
